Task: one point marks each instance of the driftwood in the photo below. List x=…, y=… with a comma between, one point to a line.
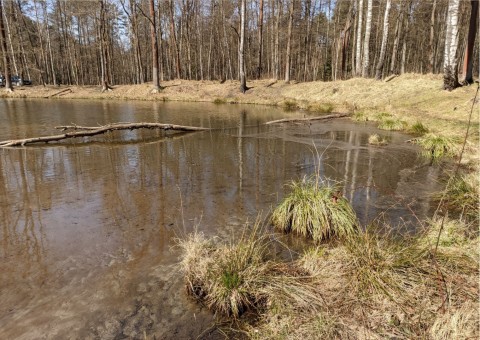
x=393, y=76
x=77, y=131
x=289, y=120
x=62, y=92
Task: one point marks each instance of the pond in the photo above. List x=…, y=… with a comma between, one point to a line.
x=88, y=227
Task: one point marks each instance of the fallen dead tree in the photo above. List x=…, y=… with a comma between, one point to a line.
x=76, y=131
x=290, y=120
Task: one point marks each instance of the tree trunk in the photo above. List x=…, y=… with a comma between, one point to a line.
x=472, y=31
x=277, y=41
x=178, y=68
x=383, y=48
x=358, y=56
x=260, y=39
x=450, y=72
x=6, y=58
x=241, y=58
x=289, y=41
x=103, y=52
x=366, y=44
x=153, y=37
x=431, y=46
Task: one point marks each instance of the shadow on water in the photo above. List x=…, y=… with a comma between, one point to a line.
x=87, y=229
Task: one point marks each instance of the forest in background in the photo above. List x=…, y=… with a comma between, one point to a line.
x=120, y=41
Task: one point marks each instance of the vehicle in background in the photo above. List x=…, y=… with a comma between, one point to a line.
x=16, y=81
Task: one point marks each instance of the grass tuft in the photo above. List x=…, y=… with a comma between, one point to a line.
x=360, y=117
x=315, y=210
x=392, y=124
x=418, y=128
x=219, y=101
x=321, y=108
x=232, y=279
x=290, y=105
x=377, y=140
x=437, y=147
x=462, y=196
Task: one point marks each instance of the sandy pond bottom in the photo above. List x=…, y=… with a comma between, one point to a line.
x=87, y=228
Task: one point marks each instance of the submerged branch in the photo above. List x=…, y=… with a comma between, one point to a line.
x=87, y=131
x=288, y=120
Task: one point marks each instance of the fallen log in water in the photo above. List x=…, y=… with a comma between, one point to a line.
x=289, y=120
x=88, y=131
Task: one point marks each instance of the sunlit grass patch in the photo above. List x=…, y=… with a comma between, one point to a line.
x=392, y=124
x=461, y=195
x=436, y=146
x=360, y=117
x=290, y=105
x=236, y=277
x=321, y=108
x=377, y=140
x=315, y=209
x=219, y=101
x=394, y=283
x=418, y=128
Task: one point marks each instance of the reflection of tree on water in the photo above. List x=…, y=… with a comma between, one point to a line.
x=23, y=236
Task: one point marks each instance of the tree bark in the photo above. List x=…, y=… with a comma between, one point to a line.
x=153, y=37
x=243, y=79
x=383, y=48
x=431, y=46
x=289, y=41
x=178, y=68
x=472, y=31
x=6, y=58
x=450, y=72
x=366, y=44
x=260, y=40
x=358, y=55
x=88, y=131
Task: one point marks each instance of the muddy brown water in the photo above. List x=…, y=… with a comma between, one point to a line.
x=87, y=227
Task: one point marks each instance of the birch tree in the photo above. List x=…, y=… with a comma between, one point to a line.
x=450, y=72
x=366, y=43
x=358, y=56
x=6, y=59
x=289, y=41
x=383, y=48
x=241, y=58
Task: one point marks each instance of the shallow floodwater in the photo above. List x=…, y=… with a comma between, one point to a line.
x=87, y=227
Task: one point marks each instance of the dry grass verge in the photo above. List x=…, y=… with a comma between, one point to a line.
x=367, y=286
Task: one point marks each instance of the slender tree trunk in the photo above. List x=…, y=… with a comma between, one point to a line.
x=383, y=48
x=472, y=31
x=178, y=68
x=398, y=32
x=366, y=44
x=260, y=39
x=103, y=52
x=358, y=56
x=431, y=46
x=6, y=58
x=153, y=37
x=450, y=73
x=241, y=58
x=277, y=41
x=289, y=41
